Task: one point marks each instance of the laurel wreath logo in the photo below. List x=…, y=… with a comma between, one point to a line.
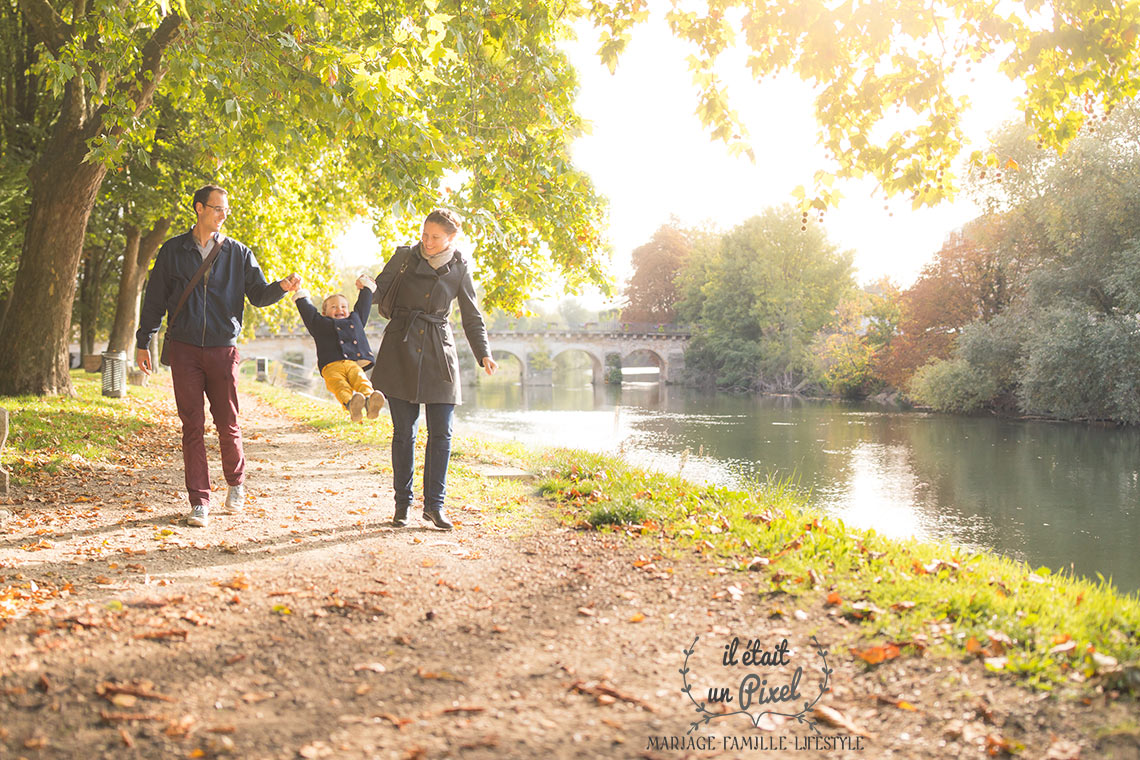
x=800, y=717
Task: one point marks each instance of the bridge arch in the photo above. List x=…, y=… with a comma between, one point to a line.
x=666, y=343
x=636, y=357
x=597, y=362
x=501, y=356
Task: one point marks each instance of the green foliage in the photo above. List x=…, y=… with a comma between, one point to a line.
x=312, y=114
x=894, y=79
x=757, y=295
x=847, y=350
x=1081, y=365
x=994, y=348
x=849, y=366
x=952, y=385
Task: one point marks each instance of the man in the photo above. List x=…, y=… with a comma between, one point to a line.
x=202, y=353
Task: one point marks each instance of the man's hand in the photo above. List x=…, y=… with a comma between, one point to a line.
x=291, y=283
x=142, y=358
x=364, y=281
x=489, y=365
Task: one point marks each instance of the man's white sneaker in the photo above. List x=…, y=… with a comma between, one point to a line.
x=199, y=516
x=356, y=407
x=235, y=499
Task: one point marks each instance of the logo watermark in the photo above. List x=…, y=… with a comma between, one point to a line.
x=767, y=684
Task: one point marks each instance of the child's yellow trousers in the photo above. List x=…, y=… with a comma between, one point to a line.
x=344, y=378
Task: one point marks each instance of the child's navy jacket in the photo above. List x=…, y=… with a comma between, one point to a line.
x=339, y=339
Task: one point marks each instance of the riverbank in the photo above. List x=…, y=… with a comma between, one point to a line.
x=308, y=627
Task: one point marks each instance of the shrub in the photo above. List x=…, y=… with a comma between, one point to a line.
x=952, y=385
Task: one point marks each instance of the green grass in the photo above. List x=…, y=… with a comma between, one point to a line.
x=45, y=432
x=1040, y=627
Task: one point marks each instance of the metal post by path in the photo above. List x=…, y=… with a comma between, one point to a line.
x=3, y=440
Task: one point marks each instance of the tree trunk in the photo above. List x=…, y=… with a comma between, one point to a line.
x=138, y=254
x=37, y=327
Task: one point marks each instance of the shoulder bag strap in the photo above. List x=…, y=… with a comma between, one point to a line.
x=206, y=264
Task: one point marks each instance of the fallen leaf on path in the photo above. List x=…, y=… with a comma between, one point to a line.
x=637, y=617
x=875, y=655
x=900, y=606
x=833, y=717
x=463, y=708
x=833, y=600
x=154, y=601
x=596, y=688
x=1063, y=749
x=899, y=703
x=253, y=697
x=180, y=727
x=397, y=722
x=442, y=675
x=119, y=717
x=1064, y=648
x=239, y=582
x=864, y=611
x=191, y=616
x=173, y=633
x=998, y=745
x=373, y=667
x=123, y=700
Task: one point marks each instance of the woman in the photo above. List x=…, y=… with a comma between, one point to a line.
x=417, y=363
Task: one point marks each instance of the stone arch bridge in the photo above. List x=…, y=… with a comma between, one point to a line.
x=534, y=349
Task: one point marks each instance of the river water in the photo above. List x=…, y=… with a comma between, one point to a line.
x=1059, y=495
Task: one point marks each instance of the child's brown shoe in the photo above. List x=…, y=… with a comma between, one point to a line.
x=356, y=407
x=375, y=404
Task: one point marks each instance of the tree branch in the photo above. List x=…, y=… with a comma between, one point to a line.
x=141, y=90
x=47, y=23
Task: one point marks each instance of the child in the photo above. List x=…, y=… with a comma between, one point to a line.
x=342, y=348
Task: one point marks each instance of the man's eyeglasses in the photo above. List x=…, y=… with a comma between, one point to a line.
x=223, y=209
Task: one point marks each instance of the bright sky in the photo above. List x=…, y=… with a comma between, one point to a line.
x=649, y=155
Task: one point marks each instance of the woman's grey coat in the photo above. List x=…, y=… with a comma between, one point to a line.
x=417, y=361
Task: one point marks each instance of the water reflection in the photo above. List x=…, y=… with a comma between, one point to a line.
x=1052, y=494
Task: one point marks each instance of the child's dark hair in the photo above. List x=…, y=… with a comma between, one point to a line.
x=445, y=218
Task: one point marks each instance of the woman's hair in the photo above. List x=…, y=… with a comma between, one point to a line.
x=445, y=218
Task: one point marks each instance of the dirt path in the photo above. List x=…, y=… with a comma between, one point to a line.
x=308, y=627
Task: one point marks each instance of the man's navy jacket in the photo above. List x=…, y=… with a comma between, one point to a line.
x=212, y=315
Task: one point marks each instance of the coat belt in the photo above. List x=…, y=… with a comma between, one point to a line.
x=439, y=320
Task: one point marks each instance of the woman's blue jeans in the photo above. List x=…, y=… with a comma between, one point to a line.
x=405, y=419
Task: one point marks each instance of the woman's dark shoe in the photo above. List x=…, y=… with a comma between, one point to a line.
x=400, y=519
x=438, y=518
